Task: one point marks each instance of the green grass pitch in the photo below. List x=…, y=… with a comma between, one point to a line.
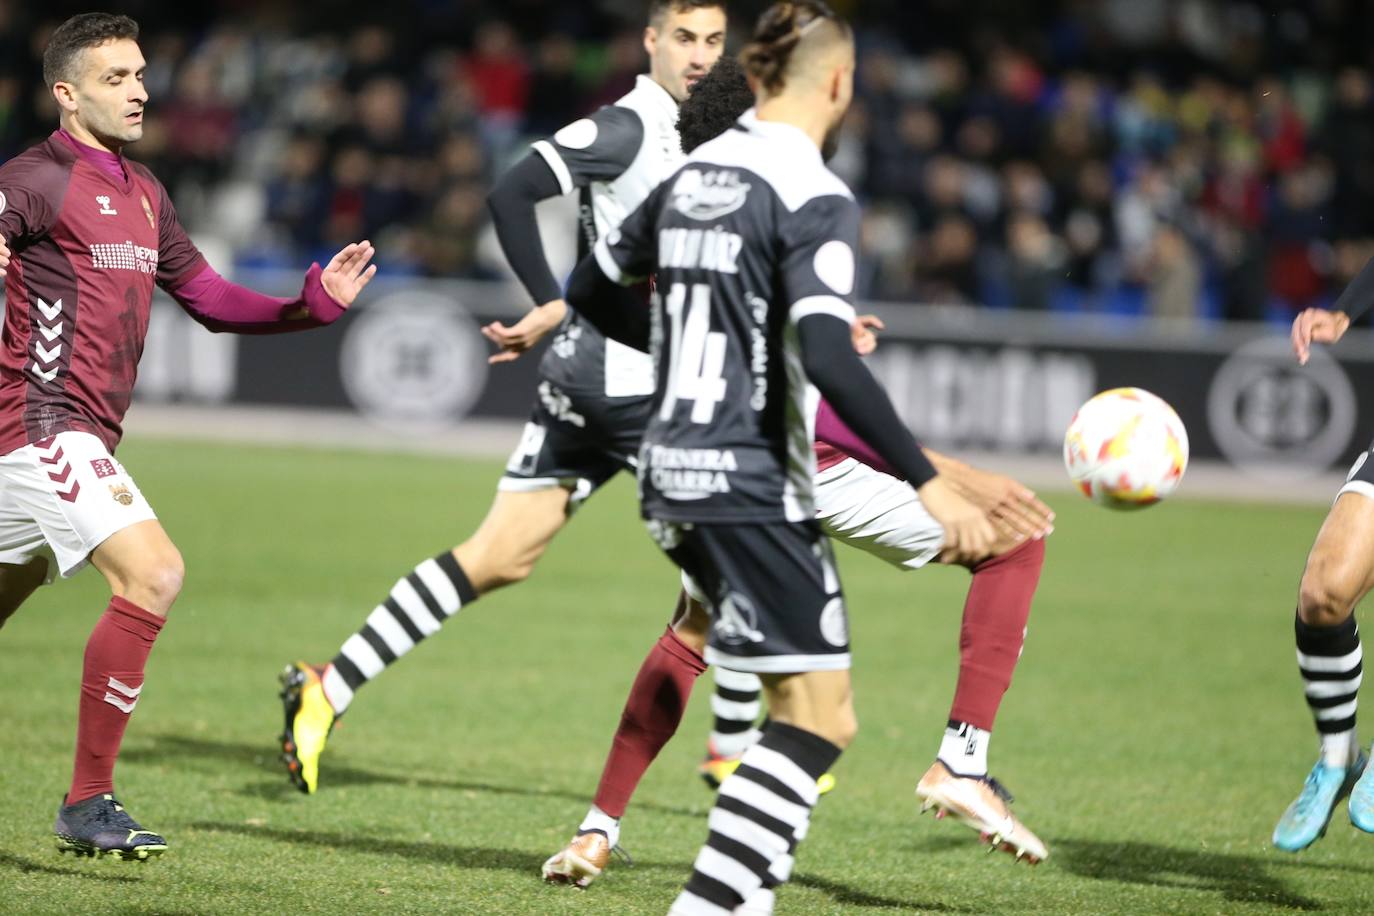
x=1154, y=733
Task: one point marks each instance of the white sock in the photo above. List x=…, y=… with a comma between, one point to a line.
x=336, y=690
x=1339, y=749
x=964, y=749
x=732, y=745
x=597, y=819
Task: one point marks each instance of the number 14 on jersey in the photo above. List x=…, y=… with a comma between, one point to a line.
x=696, y=355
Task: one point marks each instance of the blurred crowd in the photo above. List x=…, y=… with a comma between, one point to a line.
x=1182, y=158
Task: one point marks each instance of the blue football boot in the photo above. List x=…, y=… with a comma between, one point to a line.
x=1362, y=801
x=1305, y=820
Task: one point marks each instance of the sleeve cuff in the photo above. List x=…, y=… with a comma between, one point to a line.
x=606, y=261
x=318, y=302
x=555, y=163
x=821, y=305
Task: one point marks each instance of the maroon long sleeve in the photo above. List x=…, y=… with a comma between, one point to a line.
x=224, y=306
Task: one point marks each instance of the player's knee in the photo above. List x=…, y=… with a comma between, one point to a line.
x=159, y=581
x=1325, y=597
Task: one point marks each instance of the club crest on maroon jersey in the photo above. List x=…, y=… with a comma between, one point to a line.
x=147, y=211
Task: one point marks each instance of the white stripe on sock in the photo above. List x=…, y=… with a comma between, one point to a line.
x=783, y=770
x=1335, y=712
x=392, y=633
x=130, y=692
x=728, y=871
x=734, y=711
x=738, y=680
x=413, y=606
x=363, y=656
x=336, y=690
x=743, y=789
x=733, y=744
x=120, y=704
x=781, y=868
x=742, y=830
x=439, y=585
x=1319, y=690
x=1327, y=663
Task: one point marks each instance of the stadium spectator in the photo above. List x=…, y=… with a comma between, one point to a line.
x=1251, y=133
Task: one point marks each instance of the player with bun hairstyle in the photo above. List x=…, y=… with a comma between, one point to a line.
x=860, y=501
x=752, y=245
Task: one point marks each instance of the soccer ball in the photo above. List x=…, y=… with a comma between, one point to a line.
x=1126, y=449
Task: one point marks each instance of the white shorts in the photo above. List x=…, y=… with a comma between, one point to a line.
x=60, y=498
x=877, y=513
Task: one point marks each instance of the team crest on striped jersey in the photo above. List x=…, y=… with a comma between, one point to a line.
x=709, y=195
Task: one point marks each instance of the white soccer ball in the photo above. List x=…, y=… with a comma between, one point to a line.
x=1126, y=449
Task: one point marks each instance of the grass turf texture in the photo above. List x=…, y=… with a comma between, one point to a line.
x=1154, y=733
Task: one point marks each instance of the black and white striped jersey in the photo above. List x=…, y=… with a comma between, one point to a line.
x=748, y=237
x=615, y=157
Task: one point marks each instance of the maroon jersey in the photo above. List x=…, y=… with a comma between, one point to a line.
x=87, y=250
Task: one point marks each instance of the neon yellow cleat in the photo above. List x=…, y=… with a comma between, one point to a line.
x=716, y=767
x=309, y=720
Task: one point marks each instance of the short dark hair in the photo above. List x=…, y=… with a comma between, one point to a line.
x=658, y=9
x=715, y=102
x=88, y=30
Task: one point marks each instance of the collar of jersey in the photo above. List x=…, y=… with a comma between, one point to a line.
x=777, y=130
x=661, y=96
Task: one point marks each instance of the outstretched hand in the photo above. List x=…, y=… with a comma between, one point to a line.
x=348, y=272
x=525, y=333
x=1317, y=326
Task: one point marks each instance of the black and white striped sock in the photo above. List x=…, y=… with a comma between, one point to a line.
x=1331, y=662
x=735, y=705
x=417, y=606
x=760, y=815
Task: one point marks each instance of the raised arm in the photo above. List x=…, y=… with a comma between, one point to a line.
x=327, y=293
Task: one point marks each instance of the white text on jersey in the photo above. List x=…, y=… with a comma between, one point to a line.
x=707, y=249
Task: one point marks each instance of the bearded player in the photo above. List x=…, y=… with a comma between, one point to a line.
x=84, y=236
x=593, y=394
x=863, y=501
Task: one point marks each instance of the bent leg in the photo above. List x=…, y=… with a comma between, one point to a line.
x=1340, y=566
x=1338, y=574
x=503, y=550
x=144, y=570
x=514, y=535
x=142, y=566
x=653, y=711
